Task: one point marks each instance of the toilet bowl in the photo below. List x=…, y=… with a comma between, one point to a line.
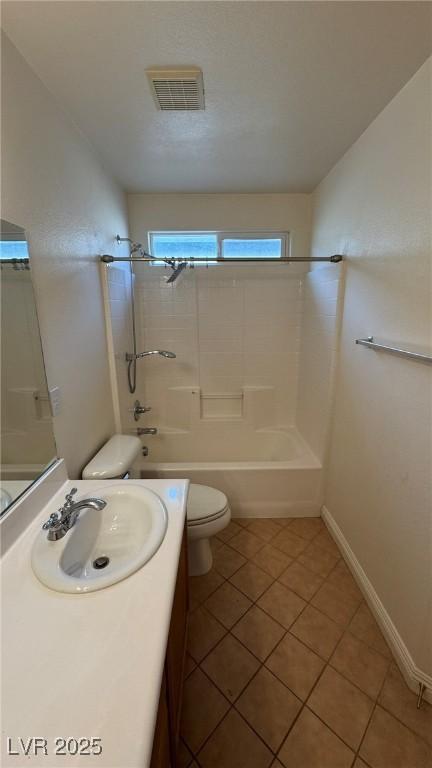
x=208, y=513
x=208, y=510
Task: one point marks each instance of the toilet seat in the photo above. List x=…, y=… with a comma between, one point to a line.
x=205, y=505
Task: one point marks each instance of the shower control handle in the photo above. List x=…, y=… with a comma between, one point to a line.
x=139, y=409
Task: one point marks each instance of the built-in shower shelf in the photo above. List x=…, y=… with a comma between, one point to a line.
x=222, y=396
x=221, y=405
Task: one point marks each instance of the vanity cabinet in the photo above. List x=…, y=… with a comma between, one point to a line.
x=167, y=728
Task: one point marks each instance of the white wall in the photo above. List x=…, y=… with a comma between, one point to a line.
x=375, y=206
x=55, y=187
x=322, y=307
x=231, y=327
x=224, y=212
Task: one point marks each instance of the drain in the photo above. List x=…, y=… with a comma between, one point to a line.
x=100, y=562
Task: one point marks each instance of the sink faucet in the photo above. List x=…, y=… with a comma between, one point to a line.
x=60, y=522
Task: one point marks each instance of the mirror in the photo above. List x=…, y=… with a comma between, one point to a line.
x=26, y=430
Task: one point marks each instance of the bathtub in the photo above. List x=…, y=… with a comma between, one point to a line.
x=264, y=473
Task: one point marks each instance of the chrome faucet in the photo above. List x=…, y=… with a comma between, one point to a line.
x=60, y=522
x=147, y=431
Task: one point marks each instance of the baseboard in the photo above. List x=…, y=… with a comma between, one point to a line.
x=412, y=674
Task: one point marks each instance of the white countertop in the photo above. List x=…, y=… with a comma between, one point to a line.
x=89, y=665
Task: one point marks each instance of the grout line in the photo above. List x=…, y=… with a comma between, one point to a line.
x=262, y=663
x=395, y=717
x=372, y=714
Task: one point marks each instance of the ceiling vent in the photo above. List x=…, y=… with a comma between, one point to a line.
x=177, y=89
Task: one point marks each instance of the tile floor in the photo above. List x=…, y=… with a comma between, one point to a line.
x=286, y=666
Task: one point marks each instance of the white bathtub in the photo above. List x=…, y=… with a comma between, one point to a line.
x=264, y=473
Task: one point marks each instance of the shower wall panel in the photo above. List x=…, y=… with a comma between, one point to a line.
x=231, y=328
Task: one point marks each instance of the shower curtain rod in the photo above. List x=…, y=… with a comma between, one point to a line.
x=107, y=259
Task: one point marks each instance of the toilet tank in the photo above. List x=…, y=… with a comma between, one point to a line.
x=114, y=459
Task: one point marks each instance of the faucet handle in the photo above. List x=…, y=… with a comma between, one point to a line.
x=138, y=409
x=69, y=496
x=52, y=521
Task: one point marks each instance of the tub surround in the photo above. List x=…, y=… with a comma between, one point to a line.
x=88, y=665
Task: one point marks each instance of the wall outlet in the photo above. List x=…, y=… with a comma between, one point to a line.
x=55, y=400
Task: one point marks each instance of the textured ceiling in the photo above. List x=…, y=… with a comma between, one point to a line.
x=289, y=85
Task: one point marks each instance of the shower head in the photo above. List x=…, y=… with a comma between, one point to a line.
x=177, y=270
x=161, y=352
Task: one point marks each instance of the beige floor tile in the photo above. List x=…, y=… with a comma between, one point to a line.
x=234, y=745
x=204, y=632
x=310, y=744
x=227, y=561
x=227, y=604
x=306, y=527
x=359, y=763
x=190, y=665
x=337, y=606
x=326, y=541
x=199, y=721
x=272, y=560
x=243, y=521
x=318, y=631
x=297, y=666
x=184, y=757
x=318, y=560
x=200, y=587
x=283, y=605
x=215, y=544
x=388, y=743
x=230, y=666
x=269, y=707
x=246, y=543
x=281, y=521
x=341, y=577
x=397, y=698
x=364, y=626
x=301, y=580
x=265, y=529
x=229, y=532
x=251, y=580
x=258, y=632
x=289, y=543
x=341, y=705
x=360, y=664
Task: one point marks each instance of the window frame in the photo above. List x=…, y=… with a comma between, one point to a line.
x=221, y=235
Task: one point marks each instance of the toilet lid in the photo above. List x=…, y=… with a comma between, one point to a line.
x=205, y=503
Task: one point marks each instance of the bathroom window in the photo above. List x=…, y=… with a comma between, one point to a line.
x=13, y=249
x=222, y=245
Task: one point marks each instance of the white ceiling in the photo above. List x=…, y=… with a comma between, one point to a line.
x=289, y=85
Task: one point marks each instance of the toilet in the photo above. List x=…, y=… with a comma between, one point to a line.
x=208, y=510
x=208, y=513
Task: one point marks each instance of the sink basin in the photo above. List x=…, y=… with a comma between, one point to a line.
x=104, y=546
